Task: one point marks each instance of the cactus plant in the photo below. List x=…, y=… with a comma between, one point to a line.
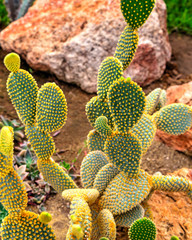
x=124, y=121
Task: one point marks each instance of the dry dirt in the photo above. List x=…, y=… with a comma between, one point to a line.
x=72, y=136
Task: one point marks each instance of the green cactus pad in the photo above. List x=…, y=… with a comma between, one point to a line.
x=104, y=176
x=96, y=108
x=126, y=46
x=41, y=142
x=55, y=175
x=162, y=100
x=13, y=195
x=12, y=62
x=95, y=141
x=110, y=70
x=102, y=127
x=80, y=217
x=107, y=226
x=26, y=226
x=123, y=193
x=142, y=229
x=89, y=195
x=144, y=130
x=51, y=108
x=90, y=166
x=127, y=218
x=174, y=118
x=124, y=151
x=136, y=12
x=126, y=103
x=152, y=100
x=22, y=90
x=171, y=183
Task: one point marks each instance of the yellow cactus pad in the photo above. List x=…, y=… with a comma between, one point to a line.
x=6, y=141
x=45, y=217
x=95, y=141
x=55, y=175
x=124, y=151
x=126, y=46
x=13, y=195
x=126, y=103
x=41, y=142
x=145, y=130
x=22, y=90
x=26, y=226
x=89, y=195
x=90, y=166
x=51, y=108
x=127, y=218
x=123, y=193
x=12, y=62
x=111, y=70
x=107, y=226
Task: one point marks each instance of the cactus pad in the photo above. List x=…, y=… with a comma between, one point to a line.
x=55, y=175
x=123, y=193
x=95, y=141
x=126, y=46
x=90, y=167
x=162, y=100
x=142, y=229
x=12, y=192
x=26, y=226
x=51, y=108
x=6, y=141
x=42, y=142
x=104, y=176
x=96, y=108
x=107, y=226
x=111, y=70
x=144, y=130
x=152, y=100
x=12, y=62
x=127, y=103
x=174, y=118
x=22, y=90
x=127, y=218
x=89, y=195
x=102, y=127
x=136, y=12
x=124, y=151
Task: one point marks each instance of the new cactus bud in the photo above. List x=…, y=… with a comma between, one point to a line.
x=45, y=217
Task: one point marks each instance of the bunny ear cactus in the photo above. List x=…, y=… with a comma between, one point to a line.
x=42, y=111
x=19, y=224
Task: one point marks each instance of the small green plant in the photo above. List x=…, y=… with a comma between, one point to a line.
x=4, y=19
x=3, y=213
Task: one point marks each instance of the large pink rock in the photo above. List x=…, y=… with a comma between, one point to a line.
x=71, y=39
x=183, y=142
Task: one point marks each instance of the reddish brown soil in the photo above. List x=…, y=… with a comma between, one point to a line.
x=72, y=136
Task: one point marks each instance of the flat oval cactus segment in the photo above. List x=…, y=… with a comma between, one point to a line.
x=102, y=127
x=13, y=201
x=123, y=193
x=95, y=141
x=162, y=100
x=110, y=70
x=136, y=12
x=124, y=151
x=26, y=226
x=55, y=175
x=152, y=100
x=127, y=218
x=96, y=108
x=22, y=90
x=107, y=226
x=126, y=103
x=42, y=142
x=127, y=46
x=144, y=130
x=174, y=118
x=104, y=176
x=90, y=166
x=51, y=108
x=142, y=229
x=6, y=141
x=12, y=62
